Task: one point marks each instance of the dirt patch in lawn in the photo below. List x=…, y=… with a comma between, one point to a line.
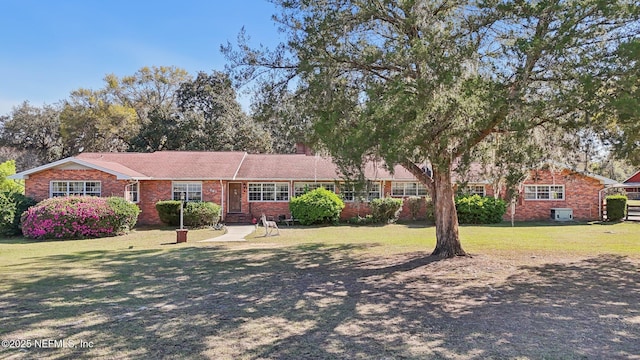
x=325, y=302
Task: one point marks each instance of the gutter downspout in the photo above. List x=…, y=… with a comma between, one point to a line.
x=222, y=208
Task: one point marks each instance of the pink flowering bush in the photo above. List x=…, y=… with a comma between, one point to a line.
x=75, y=217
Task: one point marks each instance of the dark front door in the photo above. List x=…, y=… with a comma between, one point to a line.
x=235, y=197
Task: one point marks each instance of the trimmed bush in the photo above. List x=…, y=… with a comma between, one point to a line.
x=316, y=207
x=616, y=207
x=75, y=217
x=385, y=210
x=169, y=211
x=199, y=214
x=12, y=205
x=196, y=214
x=126, y=212
x=476, y=209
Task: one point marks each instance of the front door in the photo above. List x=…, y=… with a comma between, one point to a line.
x=235, y=197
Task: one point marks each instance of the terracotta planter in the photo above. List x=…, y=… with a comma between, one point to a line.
x=181, y=235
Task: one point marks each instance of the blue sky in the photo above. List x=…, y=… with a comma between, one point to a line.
x=49, y=48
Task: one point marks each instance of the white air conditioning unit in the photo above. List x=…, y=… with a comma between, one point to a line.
x=562, y=214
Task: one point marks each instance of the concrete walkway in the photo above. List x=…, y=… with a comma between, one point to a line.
x=234, y=233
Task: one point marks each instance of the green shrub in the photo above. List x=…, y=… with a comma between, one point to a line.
x=199, y=214
x=12, y=205
x=74, y=217
x=316, y=206
x=169, y=211
x=195, y=214
x=385, y=210
x=475, y=209
x=126, y=212
x=616, y=207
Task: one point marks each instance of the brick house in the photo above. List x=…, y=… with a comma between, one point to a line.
x=247, y=185
x=560, y=188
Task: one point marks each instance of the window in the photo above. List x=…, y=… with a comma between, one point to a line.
x=408, y=189
x=268, y=192
x=544, y=192
x=348, y=192
x=192, y=191
x=301, y=188
x=131, y=192
x=75, y=188
x=472, y=190
x=374, y=191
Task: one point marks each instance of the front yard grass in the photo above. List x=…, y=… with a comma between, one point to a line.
x=535, y=291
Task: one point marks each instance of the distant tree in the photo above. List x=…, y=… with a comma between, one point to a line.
x=148, y=89
x=278, y=114
x=224, y=125
x=170, y=131
x=621, y=112
x=432, y=82
x=8, y=168
x=34, y=133
x=89, y=121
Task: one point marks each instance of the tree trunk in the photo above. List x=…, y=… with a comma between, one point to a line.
x=447, y=237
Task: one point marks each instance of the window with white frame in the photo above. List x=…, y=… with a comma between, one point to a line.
x=374, y=191
x=192, y=190
x=300, y=188
x=268, y=191
x=75, y=188
x=472, y=189
x=348, y=192
x=408, y=189
x=131, y=192
x=544, y=192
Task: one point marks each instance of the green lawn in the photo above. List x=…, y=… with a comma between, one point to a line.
x=534, y=291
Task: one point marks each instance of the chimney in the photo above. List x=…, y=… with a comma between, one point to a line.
x=302, y=148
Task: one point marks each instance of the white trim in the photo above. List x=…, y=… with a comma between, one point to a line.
x=187, y=183
x=222, y=209
x=564, y=192
x=630, y=177
x=239, y=166
x=84, y=187
x=275, y=194
x=317, y=183
x=71, y=160
x=126, y=192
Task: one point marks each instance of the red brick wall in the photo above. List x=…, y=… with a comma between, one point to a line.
x=152, y=191
x=37, y=185
x=581, y=195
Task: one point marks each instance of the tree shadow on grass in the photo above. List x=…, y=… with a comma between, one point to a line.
x=319, y=302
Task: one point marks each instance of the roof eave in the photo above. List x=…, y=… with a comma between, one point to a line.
x=119, y=176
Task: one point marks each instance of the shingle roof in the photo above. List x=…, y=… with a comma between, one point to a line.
x=232, y=165
x=206, y=165
x=174, y=164
x=201, y=165
x=313, y=167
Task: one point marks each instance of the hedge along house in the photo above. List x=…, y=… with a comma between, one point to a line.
x=248, y=185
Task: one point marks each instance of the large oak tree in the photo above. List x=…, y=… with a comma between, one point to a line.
x=431, y=82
